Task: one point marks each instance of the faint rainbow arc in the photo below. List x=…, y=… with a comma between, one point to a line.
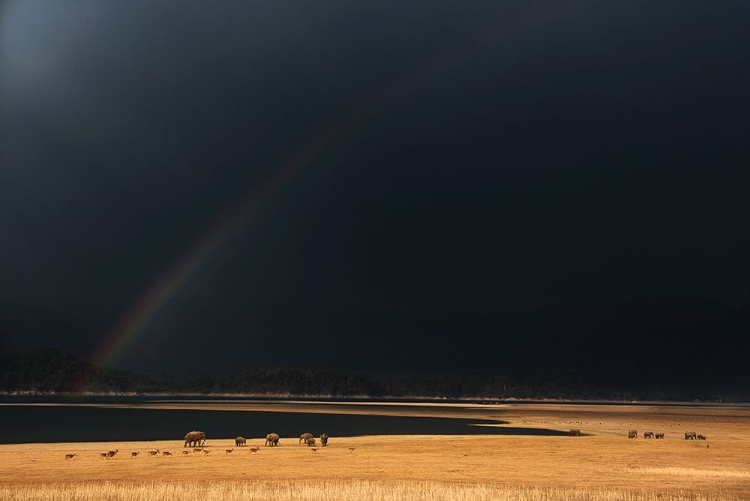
x=130, y=325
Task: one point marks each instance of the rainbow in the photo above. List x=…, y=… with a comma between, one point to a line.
x=117, y=342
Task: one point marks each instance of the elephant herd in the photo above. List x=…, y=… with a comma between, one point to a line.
x=689, y=435
x=198, y=439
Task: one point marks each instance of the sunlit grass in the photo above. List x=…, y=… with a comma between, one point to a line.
x=603, y=465
x=299, y=490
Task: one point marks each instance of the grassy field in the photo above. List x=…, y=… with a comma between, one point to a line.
x=604, y=464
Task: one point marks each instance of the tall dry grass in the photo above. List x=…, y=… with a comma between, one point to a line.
x=329, y=491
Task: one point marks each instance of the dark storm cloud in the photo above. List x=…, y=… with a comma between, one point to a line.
x=510, y=155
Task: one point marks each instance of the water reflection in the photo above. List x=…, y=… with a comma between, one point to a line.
x=75, y=423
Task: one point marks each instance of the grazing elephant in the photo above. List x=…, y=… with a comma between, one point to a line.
x=701, y=437
x=648, y=434
x=690, y=435
x=660, y=435
x=304, y=437
x=195, y=439
x=633, y=434
x=574, y=432
x=310, y=442
x=272, y=439
x=323, y=439
x=240, y=442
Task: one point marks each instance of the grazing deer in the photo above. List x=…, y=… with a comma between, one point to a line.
x=134, y=454
x=205, y=452
x=166, y=454
x=70, y=456
x=314, y=449
x=153, y=452
x=103, y=455
x=197, y=451
x=253, y=449
x=351, y=449
x=185, y=453
x=229, y=451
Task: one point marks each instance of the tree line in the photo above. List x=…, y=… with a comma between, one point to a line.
x=54, y=371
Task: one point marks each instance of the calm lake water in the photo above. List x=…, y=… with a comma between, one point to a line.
x=26, y=421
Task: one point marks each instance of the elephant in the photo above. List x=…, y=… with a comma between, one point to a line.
x=633, y=434
x=574, y=432
x=701, y=437
x=195, y=439
x=323, y=439
x=310, y=442
x=240, y=441
x=660, y=435
x=272, y=439
x=690, y=435
x=304, y=437
x=648, y=434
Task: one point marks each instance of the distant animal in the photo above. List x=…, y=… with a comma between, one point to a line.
x=314, y=450
x=70, y=456
x=574, y=432
x=185, y=453
x=229, y=451
x=701, y=437
x=633, y=434
x=253, y=449
x=195, y=439
x=153, y=452
x=166, y=454
x=690, y=435
x=197, y=451
x=303, y=438
x=206, y=452
x=648, y=434
x=103, y=455
x=240, y=442
x=323, y=439
x=351, y=449
x=133, y=454
x=272, y=439
x=310, y=442
x=660, y=435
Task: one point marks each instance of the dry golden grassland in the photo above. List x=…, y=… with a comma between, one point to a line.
x=602, y=465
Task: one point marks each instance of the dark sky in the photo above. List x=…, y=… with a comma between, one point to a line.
x=467, y=158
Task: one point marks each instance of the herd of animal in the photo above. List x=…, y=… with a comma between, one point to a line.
x=689, y=435
x=197, y=440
